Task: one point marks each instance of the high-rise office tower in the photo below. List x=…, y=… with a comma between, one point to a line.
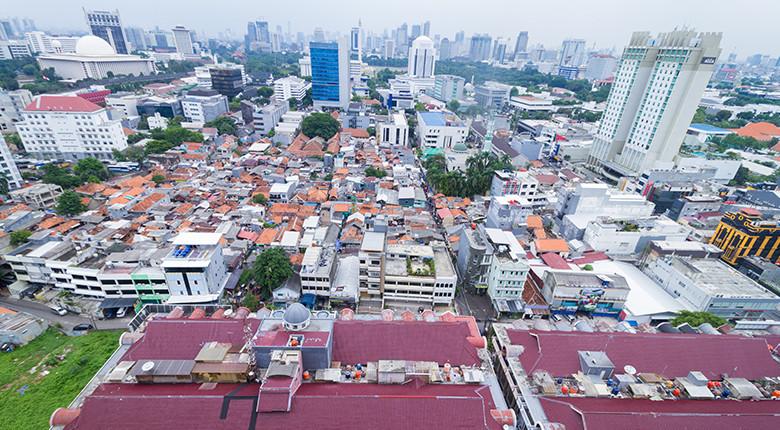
x=183, y=40
x=426, y=29
x=389, y=49
x=319, y=35
x=257, y=38
x=657, y=88
x=422, y=58
x=416, y=31
x=355, y=45
x=521, y=45
x=402, y=39
x=136, y=38
x=573, y=53
x=499, y=50
x=479, y=49
x=330, y=83
x=445, y=49
x=108, y=26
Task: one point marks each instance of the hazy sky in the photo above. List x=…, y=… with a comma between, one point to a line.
x=749, y=26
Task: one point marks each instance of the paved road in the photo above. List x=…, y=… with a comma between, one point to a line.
x=67, y=321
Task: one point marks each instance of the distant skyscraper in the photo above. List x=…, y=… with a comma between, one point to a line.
x=402, y=39
x=445, y=49
x=355, y=46
x=600, y=67
x=422, y=58
x=521, y=45
x=135, y=36
x=319, y=35
x=479, y=49
x=39, y=42
x=257, y=38
x=573, y=52
x=426, y=28
x=389, y=49
x=183, y=40
x=416, y=31
x=658, y=85
x=330, y=83
x=499, y=50
x=108, y=26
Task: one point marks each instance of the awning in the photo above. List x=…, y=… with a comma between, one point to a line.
x=118, y=302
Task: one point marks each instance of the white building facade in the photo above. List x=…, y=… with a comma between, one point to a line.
x=69, y=127
x=290, y=87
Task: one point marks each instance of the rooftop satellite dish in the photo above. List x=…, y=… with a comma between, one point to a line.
x=149, y=365
x=629, y=369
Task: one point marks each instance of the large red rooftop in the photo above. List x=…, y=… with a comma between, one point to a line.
x=361, y=341
x=594, y=413
x=671, y=355
x=315, y=406
x=48, y=103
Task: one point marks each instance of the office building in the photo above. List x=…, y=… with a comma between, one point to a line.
x=11, y=105
x=422, y=58
x=257, y=38
x=600, y=67
x=572, y=53
x=709, y=285
x=479, y=49
x=521, y=44
x=514, y=183
x=418, y=274
x=448, y=87
x=69, y=127
x=631, y=236
x=656, y=91
x=108, y=26
x=8, y=168
x=227, y=79
x=330, y=83
x=94, y=58
x=744, y=233
x=426, y=30
x=291, y=87
x=492, y=95
x=266, y=118
x=182, y=38
x=13, y=49
x=393, y=131
x=569, y=292
x=39, y=42
x=136, y=37
x=445, y=49
x=202, y=106
x=586, y=202
x=388, y=49
x=304, y=63
x=440, y=130
x=355, y=45
x=499, y=50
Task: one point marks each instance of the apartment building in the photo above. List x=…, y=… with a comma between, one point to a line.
x=394, y=131
x=203, y=105
x=69, y=128
x=440, y=130
x=38, y=196
x=418, y=274
x=290, y=87
x=195, y=268
x=569, y=292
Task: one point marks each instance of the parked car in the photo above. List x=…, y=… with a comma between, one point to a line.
x=7, y=347
x=59, y=310
x=83, y=327
x=121, y=312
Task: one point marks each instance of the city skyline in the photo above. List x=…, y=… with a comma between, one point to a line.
x=753, y=34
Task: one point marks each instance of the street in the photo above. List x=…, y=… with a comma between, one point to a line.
x=67, y=321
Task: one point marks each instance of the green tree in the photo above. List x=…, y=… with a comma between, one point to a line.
x=69, y=204
x=158, y=179
x=372, y=171
x=320, y=124
x=723, y=115
x=4, y=187
x=19, y=237
x=251, y=301
x=453, y=105
x=54, y=174
x=371, y=131
x=266, y=92
x=91, y=167
x=293, y=103
x=514, y=92
x=223, y=124
x=747, y=115
x=157, y=147
x=15, y=140
x=695, y=319
x=260, y=199
x=271, y=268
x=419, y=107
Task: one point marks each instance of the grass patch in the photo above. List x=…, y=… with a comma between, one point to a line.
x=70, y=362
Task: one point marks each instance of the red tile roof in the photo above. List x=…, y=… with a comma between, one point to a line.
x=671, y=355
x=183, y=339
x=322, y=406
x=593, y=413
x=61, y=104
x=555, y=261
x=361, y=341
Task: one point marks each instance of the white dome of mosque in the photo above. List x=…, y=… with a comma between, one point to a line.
x=93, y=45
x=296, y=317
x=423, y=42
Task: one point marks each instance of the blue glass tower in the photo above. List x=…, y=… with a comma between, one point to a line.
x=329, y=78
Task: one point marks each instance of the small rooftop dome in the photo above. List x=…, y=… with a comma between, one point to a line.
x=296, y=317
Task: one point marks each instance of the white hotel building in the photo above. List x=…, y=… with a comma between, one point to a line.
x=69, y=127
x=290, y=87
x=657, y=88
